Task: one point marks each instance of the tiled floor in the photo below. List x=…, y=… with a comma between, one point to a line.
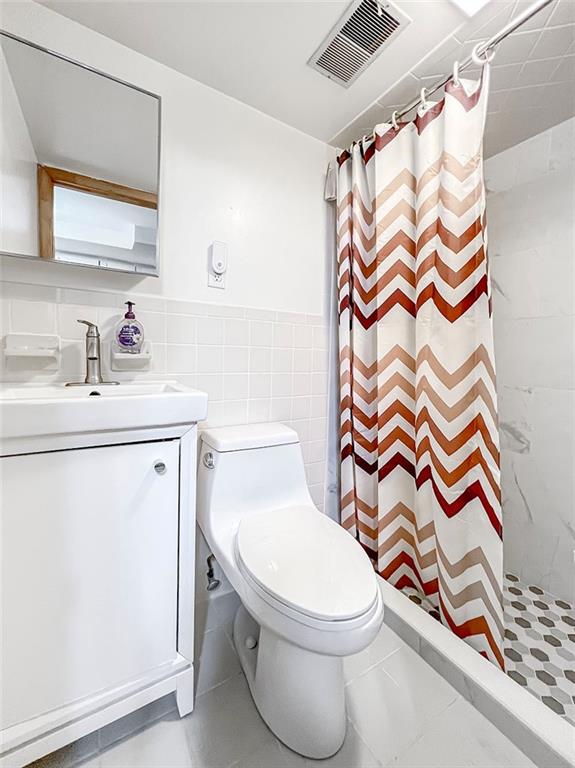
x=401, y=713
x=539, y=644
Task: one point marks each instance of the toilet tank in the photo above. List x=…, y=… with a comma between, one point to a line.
x=245, y=469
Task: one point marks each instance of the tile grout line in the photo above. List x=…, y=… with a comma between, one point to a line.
x=373, y=666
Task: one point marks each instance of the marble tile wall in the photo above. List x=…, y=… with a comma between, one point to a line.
x=530, y=205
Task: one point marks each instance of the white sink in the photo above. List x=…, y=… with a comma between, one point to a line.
x=28, y=410
x=63, y=392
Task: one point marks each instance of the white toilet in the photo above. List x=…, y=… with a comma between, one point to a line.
x=309, y=593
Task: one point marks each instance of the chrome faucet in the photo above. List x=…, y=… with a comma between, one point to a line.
x=93, y=358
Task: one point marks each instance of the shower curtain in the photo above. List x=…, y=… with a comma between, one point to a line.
x=419, y=442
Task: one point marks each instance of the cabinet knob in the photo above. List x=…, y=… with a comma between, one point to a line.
x=160, y=467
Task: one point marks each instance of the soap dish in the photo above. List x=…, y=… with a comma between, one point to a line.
x=44, y=346
x=131, y=361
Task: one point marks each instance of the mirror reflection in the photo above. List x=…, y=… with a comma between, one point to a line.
x=79, y=163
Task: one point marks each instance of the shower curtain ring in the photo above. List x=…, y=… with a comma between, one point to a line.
x=481, y=60
x=394, y=123
x=456, y=73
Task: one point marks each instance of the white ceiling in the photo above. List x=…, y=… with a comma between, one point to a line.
x=257, y=52
x=82, y=121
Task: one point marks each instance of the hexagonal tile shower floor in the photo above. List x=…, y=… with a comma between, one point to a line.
x=539, y=644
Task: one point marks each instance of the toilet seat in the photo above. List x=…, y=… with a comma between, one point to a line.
x=301, y=559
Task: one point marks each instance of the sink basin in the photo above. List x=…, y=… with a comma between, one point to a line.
x=29, y=410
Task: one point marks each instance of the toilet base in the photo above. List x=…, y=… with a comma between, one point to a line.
x=299, y=694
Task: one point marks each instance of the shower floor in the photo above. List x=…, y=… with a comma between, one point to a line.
x=539, y=645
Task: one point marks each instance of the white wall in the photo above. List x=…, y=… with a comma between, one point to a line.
x=18, y=211
x=530, y=209
x=228, y=173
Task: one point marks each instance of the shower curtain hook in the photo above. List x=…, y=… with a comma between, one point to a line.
x=456, y=73
x=423, y=99
x=481, y=61
x=394, y=124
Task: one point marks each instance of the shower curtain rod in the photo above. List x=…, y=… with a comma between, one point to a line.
x=510, y=27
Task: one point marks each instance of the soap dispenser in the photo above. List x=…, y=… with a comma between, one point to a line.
x=130, y=332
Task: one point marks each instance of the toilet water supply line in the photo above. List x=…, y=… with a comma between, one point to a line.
x=213, y=583
x=481, y=54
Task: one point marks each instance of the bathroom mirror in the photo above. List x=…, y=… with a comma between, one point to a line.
x=79, y=163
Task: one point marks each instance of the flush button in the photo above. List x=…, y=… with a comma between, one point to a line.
x=209, y=460
x=160, y=467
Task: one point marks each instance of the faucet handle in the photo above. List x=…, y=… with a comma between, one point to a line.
x=92, y=328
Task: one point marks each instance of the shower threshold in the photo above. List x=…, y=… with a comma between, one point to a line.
x=537, y=726
x=539, y=644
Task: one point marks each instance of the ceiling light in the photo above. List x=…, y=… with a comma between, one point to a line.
x=470, y=7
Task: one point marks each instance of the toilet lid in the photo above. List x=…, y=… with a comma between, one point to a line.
x=308, y=562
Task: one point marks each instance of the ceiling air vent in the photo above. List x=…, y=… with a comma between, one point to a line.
x=366, y=28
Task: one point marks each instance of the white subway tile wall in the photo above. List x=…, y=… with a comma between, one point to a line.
x=255, y=365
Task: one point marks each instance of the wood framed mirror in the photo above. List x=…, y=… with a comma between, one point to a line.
x=65, y=220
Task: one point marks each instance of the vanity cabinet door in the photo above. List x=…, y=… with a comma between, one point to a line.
x=89, y=558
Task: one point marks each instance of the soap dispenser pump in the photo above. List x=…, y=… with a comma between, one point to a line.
x=130, y=332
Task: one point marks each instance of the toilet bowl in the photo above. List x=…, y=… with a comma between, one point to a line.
x=308, y=592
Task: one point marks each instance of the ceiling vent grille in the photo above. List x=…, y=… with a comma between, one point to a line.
x=367, y=27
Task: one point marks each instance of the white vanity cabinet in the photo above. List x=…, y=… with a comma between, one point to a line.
x=97, y=551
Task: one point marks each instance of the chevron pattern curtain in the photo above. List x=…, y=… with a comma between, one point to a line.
x=419, y=441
